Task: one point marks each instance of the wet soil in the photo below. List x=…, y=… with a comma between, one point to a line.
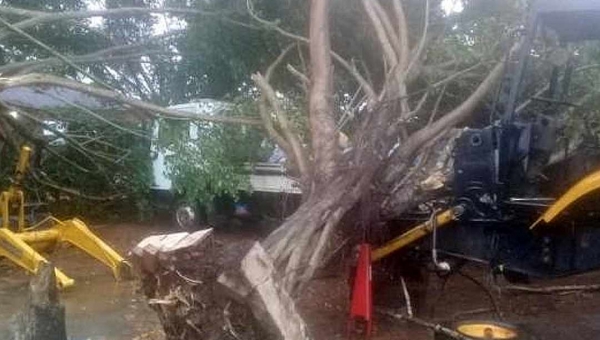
x=98, y=308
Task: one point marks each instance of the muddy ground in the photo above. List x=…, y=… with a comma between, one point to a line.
x=99, y=308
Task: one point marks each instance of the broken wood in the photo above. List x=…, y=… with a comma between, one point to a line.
x=259, y=271
x=257, y=284
x=179, y=274
x=44, y=317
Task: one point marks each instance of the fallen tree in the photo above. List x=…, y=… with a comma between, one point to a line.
x=398, y=119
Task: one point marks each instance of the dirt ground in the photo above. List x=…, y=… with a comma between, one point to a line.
x=98, y=308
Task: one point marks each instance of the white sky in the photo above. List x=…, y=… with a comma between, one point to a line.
x=450, y=6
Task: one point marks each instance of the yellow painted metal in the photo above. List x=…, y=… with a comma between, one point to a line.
x=14, y=192
x=78, y=234
x=487, y=330
x=414, y=234
x=22, y=165
x=18, y=245
x=583, y=187
x=30, y=237
x=19, y=252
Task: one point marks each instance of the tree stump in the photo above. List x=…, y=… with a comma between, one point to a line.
x=179, y=274
x=44, y=317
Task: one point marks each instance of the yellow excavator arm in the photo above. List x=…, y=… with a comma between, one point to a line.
x=582, y=188
x=20, y=244
x=414, y=234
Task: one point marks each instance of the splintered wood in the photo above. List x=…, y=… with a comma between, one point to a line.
x=271, y=298
x=179, y=278
x=167, y=249
x=202, y=289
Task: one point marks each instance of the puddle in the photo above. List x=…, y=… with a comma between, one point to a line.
x=97, y=307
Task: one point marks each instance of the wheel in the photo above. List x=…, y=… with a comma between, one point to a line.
x=186, y=216
x=485, y=330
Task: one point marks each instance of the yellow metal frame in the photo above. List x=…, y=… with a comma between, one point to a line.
x=443, y=219
x=19, y=243
x=583, y=187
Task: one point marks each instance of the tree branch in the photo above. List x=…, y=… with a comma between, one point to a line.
x=35, y=79
x=406, y=151
x=366, y=86
x=107, y=54
x=290, y=136
x=382, y=36
x=402, y=34
x=76, y=192
x=266, y=117
x=53, y=52
x=10, y=10
x=421, y=44
x=304, y=81
x=323, y=130
x=389, y=28
x=100, y=118
x=45, y=17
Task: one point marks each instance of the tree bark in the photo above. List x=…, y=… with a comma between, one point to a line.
x=322, y=125
x=180, y=272
x=44, y=316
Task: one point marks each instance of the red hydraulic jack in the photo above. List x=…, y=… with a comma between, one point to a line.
x=361, y=309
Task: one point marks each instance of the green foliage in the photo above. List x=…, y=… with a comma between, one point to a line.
x=219, y=57
x=215, y=163
x=118, y=163
x=63, y=36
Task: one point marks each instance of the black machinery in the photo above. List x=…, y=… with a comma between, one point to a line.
x=499, y=192
x=504, y=210
x=497, y=169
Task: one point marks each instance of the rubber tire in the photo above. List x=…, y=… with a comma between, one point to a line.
x=188, y=223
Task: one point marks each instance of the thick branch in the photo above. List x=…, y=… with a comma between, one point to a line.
x=419, y=138
x=366, y=86
x=382, y=36
x=266, y=116
x=389, y=27
x=402, y=34
x=44, y=18
x=121, y=52
x=322, y=125
x=290, y=136
x=153, y=110
x=34, y=65
x=419, y=49
x=53, y=52
x=9, y=10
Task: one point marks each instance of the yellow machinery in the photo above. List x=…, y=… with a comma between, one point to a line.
x=416, y=233
x=586, y=186
x=20, y=243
